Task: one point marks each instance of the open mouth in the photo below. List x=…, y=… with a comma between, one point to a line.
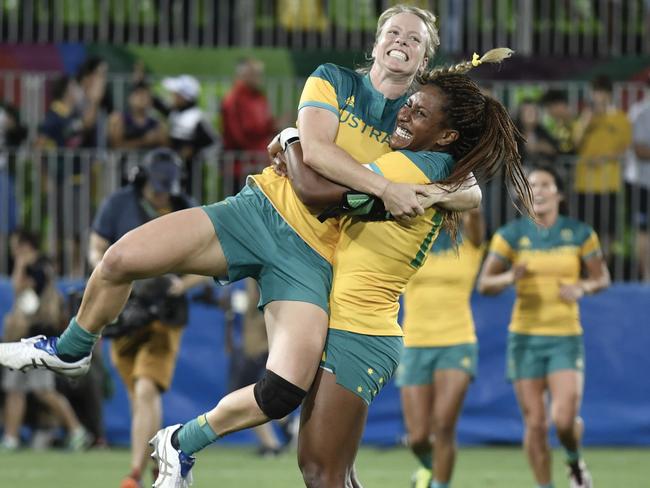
x=403, y=133
x=397, y=54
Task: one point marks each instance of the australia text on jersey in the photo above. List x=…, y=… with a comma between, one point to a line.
x=354, y=122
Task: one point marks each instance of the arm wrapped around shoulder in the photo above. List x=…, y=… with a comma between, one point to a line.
x=362, y=205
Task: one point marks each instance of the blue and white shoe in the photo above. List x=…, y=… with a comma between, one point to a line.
x=174, y=466
x=40, y=352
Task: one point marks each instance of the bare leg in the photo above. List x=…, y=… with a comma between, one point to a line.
x=181, y=242
x=417, y=407
x=61, y=408
x=146, y=417
x=331, y=425
x=296, y=333
x=450, y=387
x=266, y=436
x=15, y=402
x=566, y=396
x=643, y=252
x=530, y=394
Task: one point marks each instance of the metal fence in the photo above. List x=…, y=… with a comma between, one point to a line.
x=29, y=93
x=58, y=192
x=598, y=28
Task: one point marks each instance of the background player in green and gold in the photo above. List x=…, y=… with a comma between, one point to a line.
x=440, y=351
x=552, y=266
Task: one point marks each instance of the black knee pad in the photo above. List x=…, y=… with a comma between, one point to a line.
x=276, y=397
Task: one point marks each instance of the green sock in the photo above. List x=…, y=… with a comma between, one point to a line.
x=550, y=485
x=572, y=456
x=425, y=459
x=439, y=484
x=195, y=435
x=75, y=342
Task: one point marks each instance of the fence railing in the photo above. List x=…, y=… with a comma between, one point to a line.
x=586, y=28
x=58, y=192
x=29, y=92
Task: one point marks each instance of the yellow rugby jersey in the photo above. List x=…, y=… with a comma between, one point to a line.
x=375, y=260
x=437, y=309
x=553, y=257
x=609, y=133
x=366, y=120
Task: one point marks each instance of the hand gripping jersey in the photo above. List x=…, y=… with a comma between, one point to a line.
x=366, y=120
x=375, y=260
x=437, y=309
x=553, y=257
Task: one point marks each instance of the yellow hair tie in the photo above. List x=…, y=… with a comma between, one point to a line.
x=476, y=60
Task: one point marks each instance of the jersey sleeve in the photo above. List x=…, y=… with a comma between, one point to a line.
x=590, y=245
x=413, y=167
x=325, y=88
x=503, y=243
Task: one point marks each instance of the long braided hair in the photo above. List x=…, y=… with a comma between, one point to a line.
x=488, y=137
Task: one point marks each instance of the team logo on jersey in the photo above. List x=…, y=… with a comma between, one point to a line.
x=525, y=242
x=566, y=235
x=350, y=101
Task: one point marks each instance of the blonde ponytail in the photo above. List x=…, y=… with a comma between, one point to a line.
x=492, y=56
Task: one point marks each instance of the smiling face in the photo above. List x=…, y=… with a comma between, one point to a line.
x=546, y=195
x=401, y=47
x=421, y=122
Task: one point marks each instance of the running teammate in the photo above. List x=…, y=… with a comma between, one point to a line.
x=552, y=266
x=440, y=351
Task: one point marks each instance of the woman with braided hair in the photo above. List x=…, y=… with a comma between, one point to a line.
x=456, y=131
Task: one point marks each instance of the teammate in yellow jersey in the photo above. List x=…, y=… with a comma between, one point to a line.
x=449, y=121
x=440, y=352
x=552, y=265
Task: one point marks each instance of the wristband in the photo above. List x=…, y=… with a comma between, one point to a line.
x=288, y=136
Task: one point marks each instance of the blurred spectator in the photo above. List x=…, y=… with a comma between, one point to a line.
x=560, y=120
x=602, y=135
x=189, y=129
x=248, y=349
x=36, y=310
x=147, y=335
x=62, y=126
x=248, y=124
x=94, y=103
x=12, y=134
x=136, y=128
x=540, y=147
x=637, y=177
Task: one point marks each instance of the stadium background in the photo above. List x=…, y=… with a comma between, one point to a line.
x=559, y=44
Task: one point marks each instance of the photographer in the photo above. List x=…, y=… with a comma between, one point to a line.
x=147, y=335
x=36, y=310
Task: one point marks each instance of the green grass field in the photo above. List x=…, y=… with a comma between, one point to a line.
x=391, y=468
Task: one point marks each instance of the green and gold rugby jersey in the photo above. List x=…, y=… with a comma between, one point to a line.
x=366, y=120
x=437, y=309
x=375, y=260
x=553, y=257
